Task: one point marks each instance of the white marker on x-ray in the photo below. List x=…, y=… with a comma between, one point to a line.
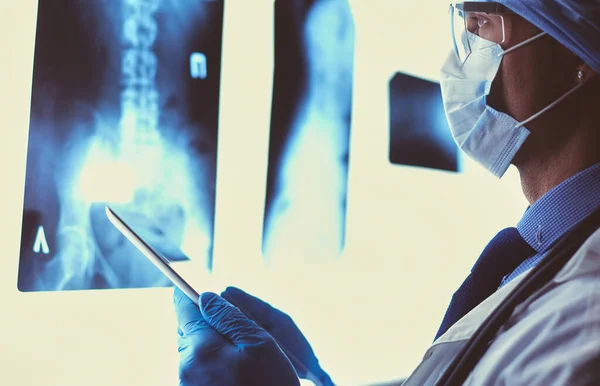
x=198, y=65
x=40, y=242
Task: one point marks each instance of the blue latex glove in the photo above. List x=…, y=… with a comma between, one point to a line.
x=219, y=346
x=284, y=330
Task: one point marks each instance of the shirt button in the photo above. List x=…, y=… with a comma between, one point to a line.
x=428, y=355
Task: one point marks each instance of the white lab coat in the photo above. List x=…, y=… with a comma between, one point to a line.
x=553, y=338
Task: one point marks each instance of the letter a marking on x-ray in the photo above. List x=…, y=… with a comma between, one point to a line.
x=40, y=242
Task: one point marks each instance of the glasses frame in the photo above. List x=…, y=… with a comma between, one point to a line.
x=478, y=7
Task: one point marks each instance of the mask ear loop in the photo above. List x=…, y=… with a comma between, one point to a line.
x=567, y=94
x=516, y=46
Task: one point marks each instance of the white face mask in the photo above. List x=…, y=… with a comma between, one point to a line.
x=489, y=137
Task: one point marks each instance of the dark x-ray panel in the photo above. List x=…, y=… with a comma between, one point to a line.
x=419, y=132
x=305, y=211
x=124, y=111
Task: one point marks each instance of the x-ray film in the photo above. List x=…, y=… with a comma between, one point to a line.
x=124, y=111
x=419, y=132
x=305, y=210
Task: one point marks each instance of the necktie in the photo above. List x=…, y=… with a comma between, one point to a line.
x=503, y=254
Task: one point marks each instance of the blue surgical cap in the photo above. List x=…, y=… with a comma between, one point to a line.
x=573, y=23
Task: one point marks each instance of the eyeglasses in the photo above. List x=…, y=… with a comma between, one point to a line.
x=469, y=19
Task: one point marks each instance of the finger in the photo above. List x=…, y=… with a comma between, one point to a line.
x=279, y=325
x=189, y=317
x=252, y=306
x=229, y=321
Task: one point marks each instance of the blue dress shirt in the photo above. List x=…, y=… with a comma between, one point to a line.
x=557, y=212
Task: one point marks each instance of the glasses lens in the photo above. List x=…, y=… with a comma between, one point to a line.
x=461, y=44
x=467, y=26
x=487, y=26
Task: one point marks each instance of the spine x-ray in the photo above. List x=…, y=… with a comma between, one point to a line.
x=305, y=211
x=124, y=111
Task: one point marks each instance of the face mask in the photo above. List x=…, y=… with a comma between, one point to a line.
x=489, y=137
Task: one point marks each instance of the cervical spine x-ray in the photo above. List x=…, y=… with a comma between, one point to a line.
x=124, y=111
x=305, y=210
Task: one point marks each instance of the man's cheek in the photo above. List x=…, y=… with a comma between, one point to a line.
x=496, y=98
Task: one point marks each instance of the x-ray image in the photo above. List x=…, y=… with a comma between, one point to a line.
x=419, y=132
x=124, y=112
x=305, y=210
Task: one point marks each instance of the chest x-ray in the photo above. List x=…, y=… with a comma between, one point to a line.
x=419, y=132
x=124, y=111
x=305, y=210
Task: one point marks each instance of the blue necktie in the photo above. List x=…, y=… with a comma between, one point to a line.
x=501, y=256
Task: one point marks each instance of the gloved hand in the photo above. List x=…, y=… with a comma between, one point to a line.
x=284, y=330
x=219, y=346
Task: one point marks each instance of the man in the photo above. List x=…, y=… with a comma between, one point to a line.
x=522, y=86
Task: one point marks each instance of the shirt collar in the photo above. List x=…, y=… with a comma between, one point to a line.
x=559, y=210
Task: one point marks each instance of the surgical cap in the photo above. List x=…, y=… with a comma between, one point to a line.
x=573, y=23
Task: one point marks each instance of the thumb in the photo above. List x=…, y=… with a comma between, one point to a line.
x=230, y=322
